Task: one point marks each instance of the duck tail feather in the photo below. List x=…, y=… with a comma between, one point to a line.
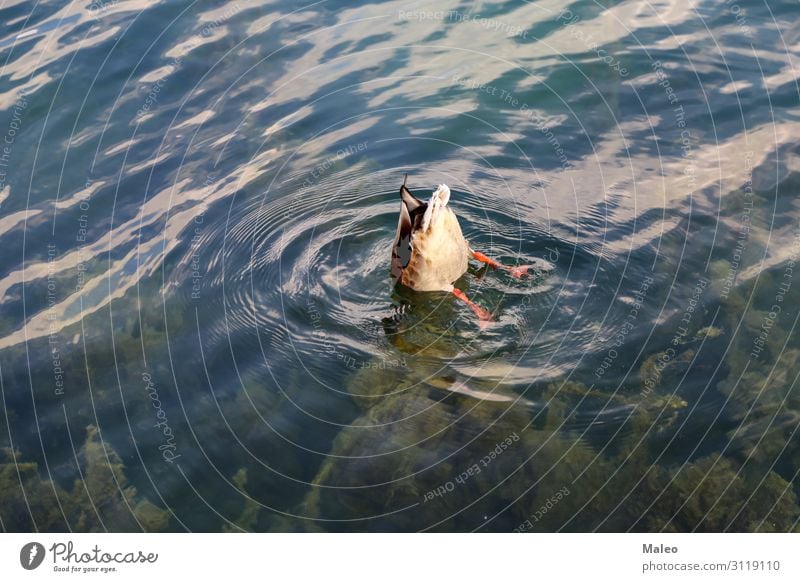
x=410, y=201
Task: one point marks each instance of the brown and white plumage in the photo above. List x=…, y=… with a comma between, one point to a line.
x=429, y=251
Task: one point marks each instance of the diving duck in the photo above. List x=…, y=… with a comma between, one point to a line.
x=430, y=252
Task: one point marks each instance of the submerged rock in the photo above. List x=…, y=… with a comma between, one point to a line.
x=101, y=499
x=713, y=494
x=248, y=519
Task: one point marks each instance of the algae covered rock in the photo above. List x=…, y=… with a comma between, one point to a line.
x=429, y=458
x=713, y=494
x=709, y=332
x=404, y=447
x=101, y=499
x=249, y=517
x=666, y=366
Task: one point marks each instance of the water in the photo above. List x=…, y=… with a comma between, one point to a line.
x=198, y=328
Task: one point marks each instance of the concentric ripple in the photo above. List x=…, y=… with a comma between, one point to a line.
x=304, y=274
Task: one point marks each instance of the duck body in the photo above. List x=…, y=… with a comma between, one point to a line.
x=430, y=252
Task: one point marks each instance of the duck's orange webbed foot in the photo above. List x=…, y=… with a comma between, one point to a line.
x=484, y=259
x=484, y=315
x=518, y=272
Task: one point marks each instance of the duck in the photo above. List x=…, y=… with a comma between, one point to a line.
x=430, y=252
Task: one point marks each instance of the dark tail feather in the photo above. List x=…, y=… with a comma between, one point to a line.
x=411, y=201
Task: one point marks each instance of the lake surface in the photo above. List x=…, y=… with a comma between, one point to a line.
x=198, y=330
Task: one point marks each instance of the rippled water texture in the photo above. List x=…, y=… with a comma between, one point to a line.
x=198, y=329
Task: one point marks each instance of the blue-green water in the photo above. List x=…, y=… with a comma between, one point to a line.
x=198, y=330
